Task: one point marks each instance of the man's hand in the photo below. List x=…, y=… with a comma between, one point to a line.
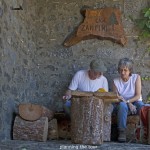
x=67, y=95
x=132, y=108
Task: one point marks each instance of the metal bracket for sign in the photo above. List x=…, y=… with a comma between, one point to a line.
x=16, y=8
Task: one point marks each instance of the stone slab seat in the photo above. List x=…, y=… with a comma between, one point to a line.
x=132, y=122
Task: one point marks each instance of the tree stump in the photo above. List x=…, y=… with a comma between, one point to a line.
x=87, y=120
x=32, y=112
x=107, y=122
x=106, y=99
x=30, y=130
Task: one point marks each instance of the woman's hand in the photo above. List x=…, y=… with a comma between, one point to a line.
x=121, y=99
x=132, y=108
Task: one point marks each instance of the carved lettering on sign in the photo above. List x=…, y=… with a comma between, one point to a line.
x=104, y=24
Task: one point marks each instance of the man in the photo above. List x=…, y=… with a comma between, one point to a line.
x=87, y=81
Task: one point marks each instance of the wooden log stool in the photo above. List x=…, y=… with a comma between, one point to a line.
x=89, y=116
x=32, y=112
x=86, y=120
x=30, y=130
x=32, y=122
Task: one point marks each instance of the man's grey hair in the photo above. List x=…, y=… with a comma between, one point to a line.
x=126, y=62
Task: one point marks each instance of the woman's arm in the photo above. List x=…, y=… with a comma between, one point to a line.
x=114, y=88
x=137, y=90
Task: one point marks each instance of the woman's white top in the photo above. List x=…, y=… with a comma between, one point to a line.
x=126, y=89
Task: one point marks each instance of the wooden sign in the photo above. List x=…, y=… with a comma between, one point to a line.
x=104, y=24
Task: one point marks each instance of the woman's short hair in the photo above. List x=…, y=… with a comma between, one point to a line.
x=126, y=62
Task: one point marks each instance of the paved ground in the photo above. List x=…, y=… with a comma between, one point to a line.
x=67, y=145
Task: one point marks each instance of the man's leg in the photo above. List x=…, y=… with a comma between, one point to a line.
x=67, y=108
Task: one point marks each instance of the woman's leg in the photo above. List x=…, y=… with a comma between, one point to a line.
x=122, y=115
x=139, y=105
x=122, y=121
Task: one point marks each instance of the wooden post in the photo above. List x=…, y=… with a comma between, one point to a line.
x=107, y=121
x=30, y=130
x=84, y=106
x=87, y=120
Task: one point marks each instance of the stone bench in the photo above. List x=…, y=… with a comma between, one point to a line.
x=64, y=128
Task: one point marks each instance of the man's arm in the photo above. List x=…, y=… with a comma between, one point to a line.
x=67, y=95
x=106, y=85
x=73, y=86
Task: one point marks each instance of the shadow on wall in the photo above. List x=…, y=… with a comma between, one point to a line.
x=8, y=113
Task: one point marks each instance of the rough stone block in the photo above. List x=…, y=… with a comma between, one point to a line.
x=52, y=129
x=64, y=129
x=64, y=125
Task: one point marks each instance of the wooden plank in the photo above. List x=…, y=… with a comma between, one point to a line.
x=106, y=95
x=79, y=93
x=111, y=100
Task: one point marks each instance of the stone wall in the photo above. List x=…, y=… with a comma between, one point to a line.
x=34, y=65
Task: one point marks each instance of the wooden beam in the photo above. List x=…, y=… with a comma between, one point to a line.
x=107, y=97
x=79, y=93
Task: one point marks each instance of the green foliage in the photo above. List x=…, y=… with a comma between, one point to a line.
x=144, y=23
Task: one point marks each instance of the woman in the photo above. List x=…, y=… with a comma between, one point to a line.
x=128, y=88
